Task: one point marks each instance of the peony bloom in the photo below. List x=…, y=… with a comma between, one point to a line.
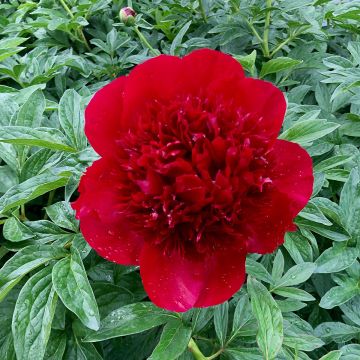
x=191, y=176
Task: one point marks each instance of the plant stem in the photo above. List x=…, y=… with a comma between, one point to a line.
x=22, y=216
x=129, y=3
x=266, y=29
x=202, y=10
x=50, y=201
x=254, y=31
x=145, y=42
x=67, y=9
x=198, y=355
x=218, y=353
x=81, y=34
x=280, y=46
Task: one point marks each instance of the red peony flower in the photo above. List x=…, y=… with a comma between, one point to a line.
x=191, y=176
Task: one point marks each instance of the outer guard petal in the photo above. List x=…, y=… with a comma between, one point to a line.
x=177, y=283
x=272, y=214
x=101, y=222
x=103, y=117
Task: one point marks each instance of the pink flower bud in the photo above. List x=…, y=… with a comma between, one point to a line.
x=127, y=15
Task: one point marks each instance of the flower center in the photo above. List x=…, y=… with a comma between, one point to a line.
x=189, y=169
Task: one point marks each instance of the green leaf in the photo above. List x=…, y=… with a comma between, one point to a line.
x=257, y=270
x=56, y=345
x=242, y=314
x=339, y=295
x=24, y=261
x=352, y=309
x=7, y=350
x=269, y=318
x=14, y=230
x=173, y=341
x=332, y=162
x=332, y=355
x=38, y=162
x=71, y=118
x=30, y=189
x=42, y=136
x=305, y=132
x=244, y=354
x=336, y=258
x=77, y=350
x=178, y=38
x=336, y=331
x=296, y=275
x=350, y=204
x=247, y=61
x=221, y=319
x=73, y=287
x=293, y=293
x=298, y=247
x=31, y=112
x=313, y=213
x=130, y=319
x=278, y=266
x=333, y=232
x=62, y=214
x=33, y=314
x=277, y=65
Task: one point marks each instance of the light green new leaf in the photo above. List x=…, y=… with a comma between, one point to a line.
x=130, y=319
x=277, y=65
x=73, y=287
x=269, y=318
x=33, y=314
x=173, y=341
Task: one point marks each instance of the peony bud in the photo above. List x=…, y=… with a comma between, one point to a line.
x=127, y=15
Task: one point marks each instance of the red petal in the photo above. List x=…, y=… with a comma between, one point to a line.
x=178, y=284
x=103, y=117
x=202, y=67
x=101, y=222
x=271, y=215
x=155, y=79
x=261, y=102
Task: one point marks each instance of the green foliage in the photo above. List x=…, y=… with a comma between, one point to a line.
x=58, y=298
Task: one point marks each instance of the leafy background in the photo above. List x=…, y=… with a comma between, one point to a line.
x=59, y=300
